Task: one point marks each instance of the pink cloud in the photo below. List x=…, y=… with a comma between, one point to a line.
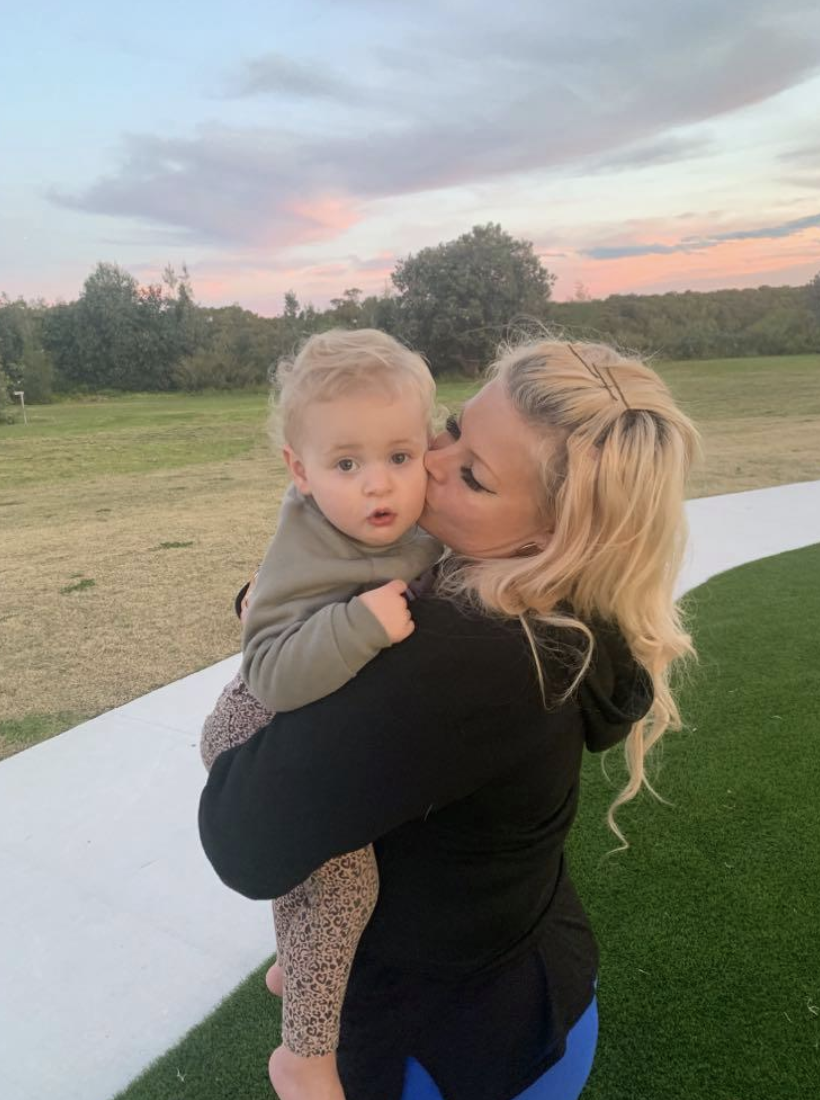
x=730, y=264
x=324, y=216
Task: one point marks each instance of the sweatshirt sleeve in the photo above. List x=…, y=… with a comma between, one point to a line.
x=312, y=658
x=424, y=724
x=301, y=639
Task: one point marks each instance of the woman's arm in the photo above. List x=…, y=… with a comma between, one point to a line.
x=425, y=723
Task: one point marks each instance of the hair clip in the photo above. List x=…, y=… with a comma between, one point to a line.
x=611, y=387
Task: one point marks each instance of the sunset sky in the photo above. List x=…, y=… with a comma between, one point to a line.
x=640, y=145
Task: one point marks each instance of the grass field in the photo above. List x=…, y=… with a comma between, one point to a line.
x=710, y=969
x=129, y=522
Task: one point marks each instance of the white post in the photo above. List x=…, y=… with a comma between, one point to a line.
x=22, y=396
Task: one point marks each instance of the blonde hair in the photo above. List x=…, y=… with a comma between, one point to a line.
x=340, y=361
x=613, y=461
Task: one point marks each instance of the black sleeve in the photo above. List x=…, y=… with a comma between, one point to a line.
x=424, y=723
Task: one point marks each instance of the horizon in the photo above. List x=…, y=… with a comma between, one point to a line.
x=311, y=146
x=307, y=303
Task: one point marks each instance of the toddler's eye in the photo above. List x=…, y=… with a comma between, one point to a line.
x=346, y=465
x=400, y=458
x=452, y=427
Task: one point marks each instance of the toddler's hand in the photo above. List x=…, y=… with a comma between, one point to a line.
x=390, y=608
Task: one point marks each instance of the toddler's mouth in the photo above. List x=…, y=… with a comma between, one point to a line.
x=380, y=517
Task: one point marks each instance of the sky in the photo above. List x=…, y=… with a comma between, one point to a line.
x=641, y=146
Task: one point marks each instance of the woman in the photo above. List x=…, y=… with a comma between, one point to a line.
x=551, y=626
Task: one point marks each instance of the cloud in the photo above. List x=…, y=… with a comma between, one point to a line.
x=698, y=244
x=787, y=229
x=803, y=154
x=277, y=74
x=744, y=263
x=555, y=86
x=663, y=150
x=809, y=181
x=223, y=187
x=621, y=252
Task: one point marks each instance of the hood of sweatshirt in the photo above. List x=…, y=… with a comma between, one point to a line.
x=615, y=693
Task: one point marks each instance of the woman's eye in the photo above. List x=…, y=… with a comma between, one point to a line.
x=452, y=427
x=400, y=458
x=469, y=480
x=346, y=465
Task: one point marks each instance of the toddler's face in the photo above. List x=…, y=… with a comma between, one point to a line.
x=361, y=458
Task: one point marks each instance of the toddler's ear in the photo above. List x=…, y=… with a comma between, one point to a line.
x=296, y=468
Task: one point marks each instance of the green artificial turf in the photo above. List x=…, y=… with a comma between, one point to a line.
x=708, y=925
x=223, y=1058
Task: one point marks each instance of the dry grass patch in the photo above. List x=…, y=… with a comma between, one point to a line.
x=740, y=456
x=165, y=552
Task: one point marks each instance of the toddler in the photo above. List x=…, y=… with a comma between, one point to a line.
x=354, y=411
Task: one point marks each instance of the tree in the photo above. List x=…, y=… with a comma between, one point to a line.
x=119, y=335
x=291, y=305
x=36, y=374
x=11, y=332
x=106, y=329
x=814, y=296
x=238, y=351
x=60, y=341
x=23, y=359
x=348, y=308
x=457, y=300
x=381, y=312
x=6, y=402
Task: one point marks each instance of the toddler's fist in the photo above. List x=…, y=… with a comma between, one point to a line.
x=390, y=608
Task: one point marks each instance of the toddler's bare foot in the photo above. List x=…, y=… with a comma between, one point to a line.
x=297, y=1078
x=274, y=979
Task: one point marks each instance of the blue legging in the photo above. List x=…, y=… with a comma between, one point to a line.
x=562, y=1081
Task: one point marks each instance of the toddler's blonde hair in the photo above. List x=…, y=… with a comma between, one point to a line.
x=342, y=361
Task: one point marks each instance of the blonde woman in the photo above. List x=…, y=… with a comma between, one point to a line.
x=550, y=627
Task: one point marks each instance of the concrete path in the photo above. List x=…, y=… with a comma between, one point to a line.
x=115, y=935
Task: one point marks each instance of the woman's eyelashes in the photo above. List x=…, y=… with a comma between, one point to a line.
x=469, y=479
x=453, y=429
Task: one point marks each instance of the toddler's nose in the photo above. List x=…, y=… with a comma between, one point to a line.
x=377, y=482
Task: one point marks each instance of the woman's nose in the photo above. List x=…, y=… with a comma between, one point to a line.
x=435, y=458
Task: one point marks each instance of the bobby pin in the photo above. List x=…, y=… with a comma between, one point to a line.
x=611, y=387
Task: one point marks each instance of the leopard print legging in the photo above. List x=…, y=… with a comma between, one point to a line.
x=319, y=923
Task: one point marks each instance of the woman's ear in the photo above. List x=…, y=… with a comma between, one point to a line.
x=296, y=468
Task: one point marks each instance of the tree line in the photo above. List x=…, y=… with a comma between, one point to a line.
x=454, y=303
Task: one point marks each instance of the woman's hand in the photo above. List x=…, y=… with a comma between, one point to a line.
x=243, y=607
x=389, y=605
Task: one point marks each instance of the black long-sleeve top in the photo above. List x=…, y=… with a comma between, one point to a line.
x=441, y=753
